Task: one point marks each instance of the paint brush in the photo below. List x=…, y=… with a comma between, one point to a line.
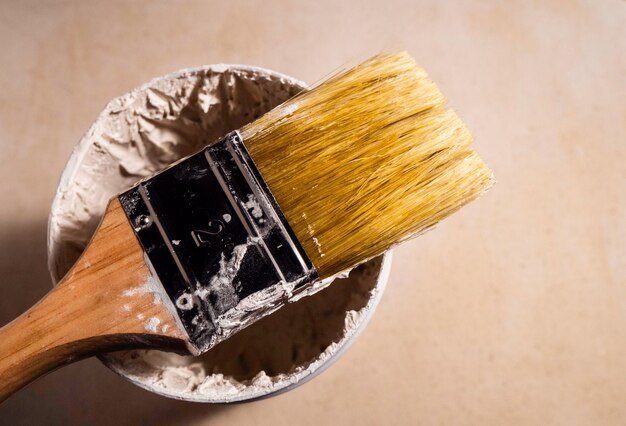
x=322, y=183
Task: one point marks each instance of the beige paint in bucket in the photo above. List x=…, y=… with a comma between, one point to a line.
x=139, y=134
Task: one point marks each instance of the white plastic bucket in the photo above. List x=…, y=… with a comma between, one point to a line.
x=130, y=140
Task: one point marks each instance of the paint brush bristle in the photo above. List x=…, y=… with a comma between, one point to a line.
x=366, y=159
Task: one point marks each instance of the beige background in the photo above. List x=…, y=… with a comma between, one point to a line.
x=511, y=312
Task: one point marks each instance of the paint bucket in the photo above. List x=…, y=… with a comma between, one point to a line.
x=140, y=133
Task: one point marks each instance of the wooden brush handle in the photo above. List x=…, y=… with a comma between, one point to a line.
x=102, y=304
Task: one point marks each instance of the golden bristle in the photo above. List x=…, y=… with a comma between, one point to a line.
x=364, y=160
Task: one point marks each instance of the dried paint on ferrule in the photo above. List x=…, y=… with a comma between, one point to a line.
x=214, y=235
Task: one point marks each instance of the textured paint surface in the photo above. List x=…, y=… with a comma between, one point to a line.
x=514, y=310
x=135, y=132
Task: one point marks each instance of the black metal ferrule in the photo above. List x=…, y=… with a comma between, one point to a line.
x=214, y=234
